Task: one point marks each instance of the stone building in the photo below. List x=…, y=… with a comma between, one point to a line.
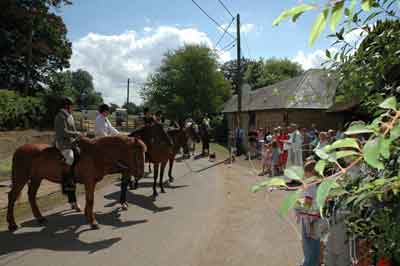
x=304, y=100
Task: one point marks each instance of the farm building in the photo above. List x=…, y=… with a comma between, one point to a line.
x=304, y=100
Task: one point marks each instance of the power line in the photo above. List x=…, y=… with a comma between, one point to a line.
x=232, y=43
x=222, y=4
x=225, y=31
x=216, y=23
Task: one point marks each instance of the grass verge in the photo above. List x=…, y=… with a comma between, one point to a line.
x=5, y=169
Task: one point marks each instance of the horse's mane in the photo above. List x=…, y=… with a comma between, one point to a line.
x=138, y=130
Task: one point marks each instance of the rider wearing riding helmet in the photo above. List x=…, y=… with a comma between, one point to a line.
x=103, y=126
x=147, y=119
x=65, y=136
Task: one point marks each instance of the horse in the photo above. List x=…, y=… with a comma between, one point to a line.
x=193, y=136
x=180, y=137
x=160, y=148
x=205, y=138
x=32, y=163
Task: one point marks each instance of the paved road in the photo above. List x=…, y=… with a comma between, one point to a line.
x=206, y=218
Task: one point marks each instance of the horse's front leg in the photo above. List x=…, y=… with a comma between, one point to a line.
x=155, y=174
x=162, y=176
x=171, y=165
x=125, y=181
x=89, y=190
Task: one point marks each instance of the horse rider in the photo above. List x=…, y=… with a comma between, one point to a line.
x=66, y=134
x=147, y=119
x=103, y=126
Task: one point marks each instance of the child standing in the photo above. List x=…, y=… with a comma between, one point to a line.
x=310, y=221
x=266, y=159
x=275, y=154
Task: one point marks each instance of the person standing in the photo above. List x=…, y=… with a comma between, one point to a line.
x=295, y=144
x=239, y=135
x=65, y=136
x=103, y=126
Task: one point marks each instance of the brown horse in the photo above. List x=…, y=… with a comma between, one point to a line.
x=34, y=162
x=159, y=149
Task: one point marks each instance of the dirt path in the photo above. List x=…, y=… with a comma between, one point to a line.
x=206, y=218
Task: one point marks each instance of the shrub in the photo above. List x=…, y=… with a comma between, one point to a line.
x=19, y=112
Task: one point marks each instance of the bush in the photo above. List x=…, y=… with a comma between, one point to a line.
x=19, y=112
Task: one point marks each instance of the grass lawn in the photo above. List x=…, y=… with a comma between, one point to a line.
x=5, y=169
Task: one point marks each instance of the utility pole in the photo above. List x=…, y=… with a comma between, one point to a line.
x=239, y=71
x=127, y=93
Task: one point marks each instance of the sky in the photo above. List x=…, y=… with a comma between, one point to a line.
x=121, y=39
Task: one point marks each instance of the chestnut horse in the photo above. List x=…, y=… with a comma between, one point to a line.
x=108, y=155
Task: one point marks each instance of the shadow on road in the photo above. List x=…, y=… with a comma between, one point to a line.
x=145, y=202
x=62, y=234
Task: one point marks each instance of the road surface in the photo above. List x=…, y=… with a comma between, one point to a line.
x=205, y=218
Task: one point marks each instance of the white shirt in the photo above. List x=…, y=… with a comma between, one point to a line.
x=103, y=127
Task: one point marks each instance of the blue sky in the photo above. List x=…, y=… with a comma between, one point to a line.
x=126, y=38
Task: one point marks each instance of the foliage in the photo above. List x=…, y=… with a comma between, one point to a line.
x=113, y=107
x=17, y=111
x=76, y=84
x=219, y=126
x=51, y=49
x=362, y=176
x=229, y=69
x=188, y=83
x=131, y=108
x=267, y=72
x=334, y=11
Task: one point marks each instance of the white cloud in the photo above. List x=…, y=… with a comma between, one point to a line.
x=112, y=59
x=244, y=28
x=312, y=60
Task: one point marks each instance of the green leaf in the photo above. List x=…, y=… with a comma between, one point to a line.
x=323, y=191
x=327, y=53
x=322, y=154
x=385, y=148
x=395, y=132
x=352, y=7
x=366, y=4
x=372, y=16
x=271, y=182
x=289, y=202
x=320, y=167
x=294, y=172
x=319, y=26
x=343, y=143
x=390, y=103
x=372, y=151
x=342, y=154
x=358, y=129
x=336, y=15
x=293, y=12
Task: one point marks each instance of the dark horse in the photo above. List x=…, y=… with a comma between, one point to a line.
x=34, y=162
x=180, y=138
x=205, y=138
x=159, y=149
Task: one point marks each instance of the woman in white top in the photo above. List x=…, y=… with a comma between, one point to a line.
x=103, y=126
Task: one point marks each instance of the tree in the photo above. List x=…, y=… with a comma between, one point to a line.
x=113, y=107
x=85, y=95
x=33, y=42
x=229, y=69
x=188, y=83
x=263, y=73
x=131, y=108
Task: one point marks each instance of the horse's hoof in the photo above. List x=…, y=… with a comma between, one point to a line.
x=171, y=179
x=162, y=191
x=42, y=221
x=12, y=228
x=94, y=226
x=124, y=206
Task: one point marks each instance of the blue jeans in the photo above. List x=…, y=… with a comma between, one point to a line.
x=311, y=249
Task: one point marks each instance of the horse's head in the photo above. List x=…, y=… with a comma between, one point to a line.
x=138, y=148
x=157, y=131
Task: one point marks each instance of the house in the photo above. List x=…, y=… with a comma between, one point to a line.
x=304, y=100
